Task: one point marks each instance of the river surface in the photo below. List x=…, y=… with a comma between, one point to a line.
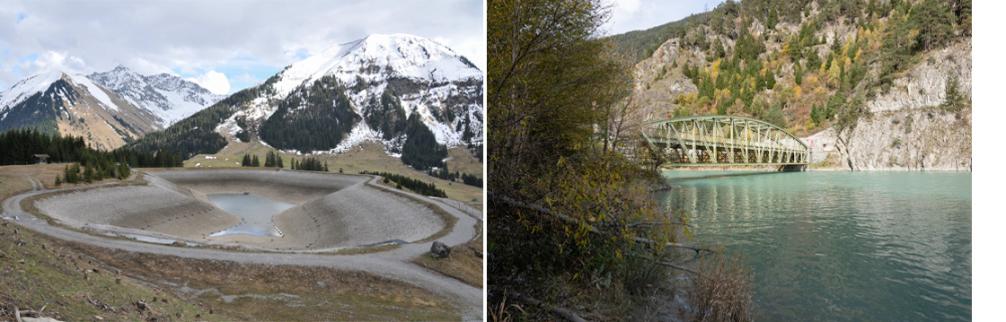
x=840, y=246
x=255, y=212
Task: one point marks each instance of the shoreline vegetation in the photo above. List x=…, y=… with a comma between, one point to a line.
x=577, y=234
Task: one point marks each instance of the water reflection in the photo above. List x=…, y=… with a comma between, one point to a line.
x=841, y=246
x=255, y=212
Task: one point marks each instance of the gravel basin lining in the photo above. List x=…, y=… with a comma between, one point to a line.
x=332, y=211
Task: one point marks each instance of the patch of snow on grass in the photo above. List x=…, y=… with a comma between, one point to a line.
x=360, y=133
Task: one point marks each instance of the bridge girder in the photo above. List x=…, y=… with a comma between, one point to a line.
x=722, y=141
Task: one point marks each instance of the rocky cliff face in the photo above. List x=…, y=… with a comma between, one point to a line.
x=907, y=129
x=912, y=139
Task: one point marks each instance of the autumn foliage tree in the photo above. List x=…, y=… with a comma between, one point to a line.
x=562, y=207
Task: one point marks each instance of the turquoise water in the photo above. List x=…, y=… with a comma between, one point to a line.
x=255, y=212
x=840, y=246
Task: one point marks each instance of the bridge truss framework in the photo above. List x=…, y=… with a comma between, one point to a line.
x=722, y=141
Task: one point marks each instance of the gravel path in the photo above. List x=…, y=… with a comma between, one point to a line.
x=391, y=264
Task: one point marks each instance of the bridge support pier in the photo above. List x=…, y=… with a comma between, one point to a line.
x=793, y=168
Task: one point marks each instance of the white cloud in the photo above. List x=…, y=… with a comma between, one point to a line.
x=52, y=60
x=215, y=82
x=228, y=36
x=625, y=6
x=146, y=67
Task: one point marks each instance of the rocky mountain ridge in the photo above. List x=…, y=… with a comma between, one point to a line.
x=167, y=96
x=107, y=109
x=68, y=104
x=399, y=90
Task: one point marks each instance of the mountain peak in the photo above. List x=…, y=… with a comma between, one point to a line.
x=120, y=68
x=167, y=96
x=379, y=57
x=29, y=86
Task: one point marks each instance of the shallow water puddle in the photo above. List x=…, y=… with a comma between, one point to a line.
x=255, y=212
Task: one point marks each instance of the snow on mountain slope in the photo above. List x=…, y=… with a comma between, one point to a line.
x=405, y=92
x=34, y=84
x=169, y=97
x=68, y=104
x=27, y=87
x=94, y=90
x=379, y=57
x=428, y=78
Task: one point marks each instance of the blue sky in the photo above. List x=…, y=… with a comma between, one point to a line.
x=226, y=45
x=629, y=15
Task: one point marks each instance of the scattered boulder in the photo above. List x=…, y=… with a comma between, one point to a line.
x=440, y=250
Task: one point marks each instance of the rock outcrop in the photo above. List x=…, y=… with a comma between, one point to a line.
x=906, y=128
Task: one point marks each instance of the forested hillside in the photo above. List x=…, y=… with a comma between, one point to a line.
x=800, y=64
x=197, y=133
x=324, y=117
x=21, y=145
x=805, y=65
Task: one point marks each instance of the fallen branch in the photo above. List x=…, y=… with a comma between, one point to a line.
x=564, y=313
x=571, y=220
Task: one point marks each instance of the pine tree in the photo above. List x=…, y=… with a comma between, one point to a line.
x=123, y=170
x=254, y=161
x=269, y=160
x=953, y=100
x=88, y=174
x=935, y=22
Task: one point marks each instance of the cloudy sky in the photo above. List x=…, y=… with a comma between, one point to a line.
x=629, y=15
x=224, y=45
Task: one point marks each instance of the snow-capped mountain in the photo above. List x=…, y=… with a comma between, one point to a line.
x=70, y=104
x=421, y=76
x=409, y=93
x=169, y=97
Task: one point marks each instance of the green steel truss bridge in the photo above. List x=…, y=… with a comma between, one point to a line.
x=722, y=141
